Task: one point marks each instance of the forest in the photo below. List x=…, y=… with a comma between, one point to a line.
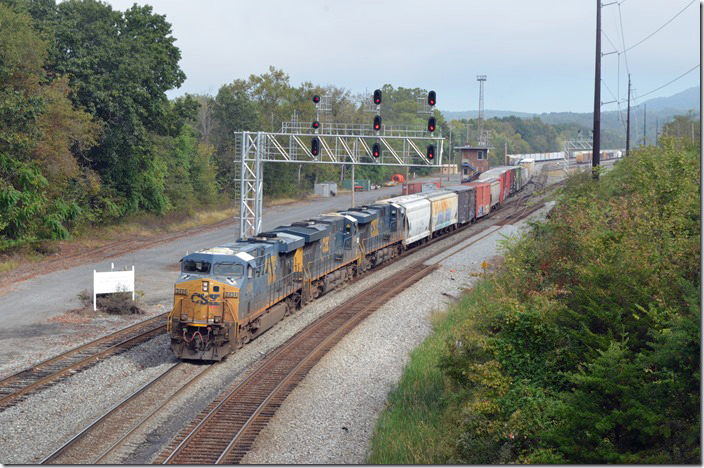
x=89, y=138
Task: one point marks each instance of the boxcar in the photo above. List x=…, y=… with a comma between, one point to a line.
x=482, y=197
x=466, y=211
x=519, y=177
x=513, y=186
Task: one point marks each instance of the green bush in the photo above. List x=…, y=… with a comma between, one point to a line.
x=585, y=347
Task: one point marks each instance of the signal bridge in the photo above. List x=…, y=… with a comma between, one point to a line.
x=339, y=144
x=329, y=143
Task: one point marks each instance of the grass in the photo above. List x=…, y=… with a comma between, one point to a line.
x=8, y=265
x=420, y=422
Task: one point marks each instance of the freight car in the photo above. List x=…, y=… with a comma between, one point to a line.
x=226, y=296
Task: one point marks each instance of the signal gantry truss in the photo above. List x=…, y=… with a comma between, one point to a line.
x=338, y=144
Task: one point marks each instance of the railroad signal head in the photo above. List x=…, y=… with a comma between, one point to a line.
x=377, y=96
x=431, y=152
x=432, y=99
x=377, y=123
x=316, y=99
x=376, y=150
x=431, y=124
x=315, y=146
x=316, y=124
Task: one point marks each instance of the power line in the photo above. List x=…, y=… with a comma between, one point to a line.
x=618, y=103
x=623, y=39
x=683, y=74
x=653, y=33
x=607, y=38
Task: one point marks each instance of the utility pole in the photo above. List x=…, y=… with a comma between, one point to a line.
x=355, y=153
x=628, y=118
x=657, y=130
x=450, y=159
x=644, y=143
x=596, y=144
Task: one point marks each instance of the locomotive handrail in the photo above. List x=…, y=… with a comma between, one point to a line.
x=171, y=315
x=229, y=307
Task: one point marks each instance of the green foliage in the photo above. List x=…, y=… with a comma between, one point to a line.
x=120, y=66
x=585, y=347
x=39, y=136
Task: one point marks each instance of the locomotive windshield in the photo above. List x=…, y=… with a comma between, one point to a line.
x=196, y=266
x=228, y=269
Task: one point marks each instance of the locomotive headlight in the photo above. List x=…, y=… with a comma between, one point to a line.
x=181, y=291
x=205, y=285
x=217, y=319
x=184, y=317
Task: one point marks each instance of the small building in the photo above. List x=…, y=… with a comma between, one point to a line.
x=474, y=158
x=326, y=189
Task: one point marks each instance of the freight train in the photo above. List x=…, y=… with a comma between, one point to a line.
x=227, y=295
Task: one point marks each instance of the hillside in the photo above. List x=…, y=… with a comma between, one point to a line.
x=659, y=111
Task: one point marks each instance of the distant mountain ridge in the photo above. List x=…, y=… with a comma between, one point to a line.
x=664, y=107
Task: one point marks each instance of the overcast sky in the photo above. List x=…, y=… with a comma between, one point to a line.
x=538, y=55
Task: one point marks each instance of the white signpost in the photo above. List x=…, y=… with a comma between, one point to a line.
x=112, y=282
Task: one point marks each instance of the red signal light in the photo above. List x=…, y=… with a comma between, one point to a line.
x=377, y=123
x=377, y=96
x=315, y=147
x=316, y=124
x=432, y=98
x=376, y=150
x=316, y=99
x=431, y=151
x=431, y=124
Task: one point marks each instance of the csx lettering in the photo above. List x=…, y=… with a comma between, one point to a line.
x=203, y=300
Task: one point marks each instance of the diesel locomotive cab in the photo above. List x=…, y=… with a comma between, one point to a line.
x=206, y=294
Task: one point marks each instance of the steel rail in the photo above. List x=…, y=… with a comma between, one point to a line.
x=57, y=453
x=330, y=340
x=37, y=381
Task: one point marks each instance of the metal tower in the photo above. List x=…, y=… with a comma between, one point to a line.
x=483, y=137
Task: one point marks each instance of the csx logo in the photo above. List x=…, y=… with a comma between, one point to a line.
x=202, y=299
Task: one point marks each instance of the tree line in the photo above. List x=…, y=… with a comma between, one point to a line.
x=88, y=136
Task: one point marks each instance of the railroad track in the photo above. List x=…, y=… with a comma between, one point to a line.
x=227, y=428
x=100, y=440
x=16, y=387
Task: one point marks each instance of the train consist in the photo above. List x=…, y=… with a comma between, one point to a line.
x=226, y=296
x=583, y=157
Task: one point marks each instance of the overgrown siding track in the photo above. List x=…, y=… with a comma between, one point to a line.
x=39, y=376
x=227, y=428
